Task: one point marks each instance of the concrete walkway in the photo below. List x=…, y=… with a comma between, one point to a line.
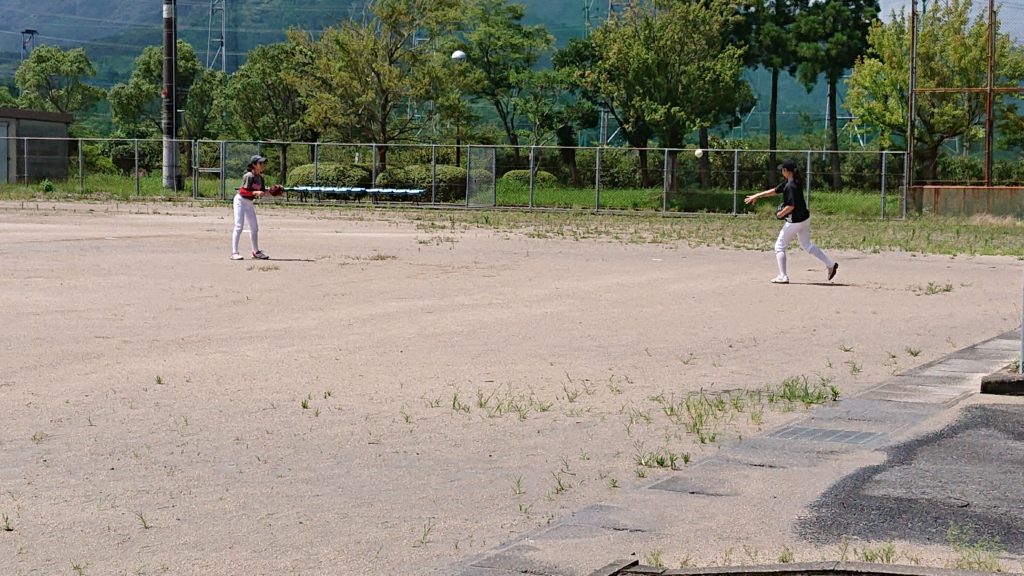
x=835, y=455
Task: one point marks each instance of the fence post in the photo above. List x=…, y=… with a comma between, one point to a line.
x=373, y=166
x=24, y=158
x=316, y=164
x=597, y=177
x=433, y=174
x=885, y=180
x=735, y=182
x=195, y=169
x=908, y=180
x=665, y=178
x=469, y=171
x=807, y=184
x=532, y=151
x=81, y=168
x=223, y=169
x=138, y=185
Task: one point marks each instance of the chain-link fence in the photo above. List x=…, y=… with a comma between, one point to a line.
x=865, y=184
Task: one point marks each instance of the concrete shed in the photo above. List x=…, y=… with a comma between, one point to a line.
x=33, y=145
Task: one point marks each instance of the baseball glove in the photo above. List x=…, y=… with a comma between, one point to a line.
x=276, y=190
x=778, y=209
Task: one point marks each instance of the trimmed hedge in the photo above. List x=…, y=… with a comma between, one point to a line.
x=330, y=174
x=540, y=179
x=451, y=180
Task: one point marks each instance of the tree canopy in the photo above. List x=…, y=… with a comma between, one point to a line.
x=53, y=79
x=952, y=52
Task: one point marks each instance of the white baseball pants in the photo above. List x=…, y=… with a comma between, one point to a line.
x=244, y=210
x=802, y=232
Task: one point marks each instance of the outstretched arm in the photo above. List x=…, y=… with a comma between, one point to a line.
x=750, y=199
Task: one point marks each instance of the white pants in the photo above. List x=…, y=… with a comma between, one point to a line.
x=802, y=232
x=244, y=210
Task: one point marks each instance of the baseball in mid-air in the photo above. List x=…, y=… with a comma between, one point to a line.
x=698, y=153
x=458, y=55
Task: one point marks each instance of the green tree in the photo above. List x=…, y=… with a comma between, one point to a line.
x=137, y=105
x=582, y=112
x=263, y=104
x=502, y=49
x=612, y=74
x=833, y=34
x=6, y=100
x=767, y=32
x=372, y=80
x=52, y=79
x=674, y=65
x=952, y=52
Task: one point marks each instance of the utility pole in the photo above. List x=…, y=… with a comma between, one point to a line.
x=28, y=41
x=215, y=7
x=171, y=175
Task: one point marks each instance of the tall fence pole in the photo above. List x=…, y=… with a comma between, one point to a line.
x=884, y=181
x=533, y=169
x=81, y=168
x=24, y=158
x=665, y=180
x=735, y=182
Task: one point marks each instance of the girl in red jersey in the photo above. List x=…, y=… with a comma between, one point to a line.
x=252, y=188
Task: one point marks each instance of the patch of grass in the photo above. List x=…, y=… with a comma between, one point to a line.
x=425, y=532
x=517, y=486
x=786, y=556
x=973, y=553
x=883, y=554
x=660, y=458
x=561, y=485
x=458, y=405
x=7, y=526
x=142, y=520
x=931, y=289
x=913, y=352
x=653, y=558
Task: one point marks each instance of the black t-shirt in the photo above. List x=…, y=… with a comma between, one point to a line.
x=793, y=196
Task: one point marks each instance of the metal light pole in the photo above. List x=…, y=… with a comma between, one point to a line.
x=171, y=174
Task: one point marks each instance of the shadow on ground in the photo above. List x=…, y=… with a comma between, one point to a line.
x=970, y=474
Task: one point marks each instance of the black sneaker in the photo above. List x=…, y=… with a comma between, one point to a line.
x=832, y=271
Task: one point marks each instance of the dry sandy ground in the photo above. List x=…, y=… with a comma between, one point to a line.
x=383, y=398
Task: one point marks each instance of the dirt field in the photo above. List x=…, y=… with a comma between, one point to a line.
x=383, y=398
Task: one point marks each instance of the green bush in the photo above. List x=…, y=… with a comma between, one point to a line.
x=118, y=156
x=451, y=180
x=330, y=174
x=540, y=178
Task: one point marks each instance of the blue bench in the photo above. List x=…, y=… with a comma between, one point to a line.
x=354, y=193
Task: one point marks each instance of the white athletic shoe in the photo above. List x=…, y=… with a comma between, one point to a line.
x=260, y=255
x=780, y=280
x=236, y=256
